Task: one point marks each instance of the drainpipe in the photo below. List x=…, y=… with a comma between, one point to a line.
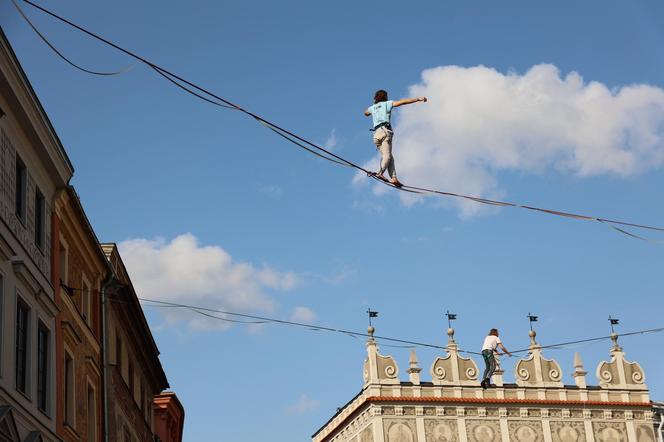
x=104, y=327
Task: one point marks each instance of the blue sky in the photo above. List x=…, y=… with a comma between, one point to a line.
x=238, y=218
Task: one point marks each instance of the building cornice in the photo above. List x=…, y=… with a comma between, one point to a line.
x=33, y=111
x=494, y=401
x=360, y=403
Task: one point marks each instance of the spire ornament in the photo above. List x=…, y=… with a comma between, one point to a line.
x=579, y=374
x=413, y=369
x=378, y=369
x=536, y=370
x=619, y=373
x=453, y=369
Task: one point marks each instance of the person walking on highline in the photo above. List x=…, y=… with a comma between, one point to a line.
x=490, y=346
x=381, y=111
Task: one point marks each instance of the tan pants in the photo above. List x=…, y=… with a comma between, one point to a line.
x=383, y=140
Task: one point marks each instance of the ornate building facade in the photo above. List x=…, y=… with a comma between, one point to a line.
x=135, y=375
x=77, y=359
x=658, y=409
x=33, y=167
x=452, y=407
x=80, y=267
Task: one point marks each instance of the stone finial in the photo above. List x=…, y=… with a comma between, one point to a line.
x=579, y=373
x=536, y=370
x=533, y=343
x=450, y=333
x=618, y=373
x=614, y=339
x=378, y=369
x=453, y=369
x=413, y=369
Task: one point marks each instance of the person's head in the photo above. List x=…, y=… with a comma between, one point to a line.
x=493, y=332
x=379, y=96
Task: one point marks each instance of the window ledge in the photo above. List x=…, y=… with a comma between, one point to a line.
x=72, y=432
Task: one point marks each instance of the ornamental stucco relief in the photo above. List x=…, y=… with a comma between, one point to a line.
x=400, y=430
x=367, y=434
x=483, y=431
x=525, y=431
x=610, y=432
x=645, y=433
x=440, y=430
x=568, y=432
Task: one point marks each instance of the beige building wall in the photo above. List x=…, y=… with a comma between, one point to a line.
x=27, y=406
x=452, y=407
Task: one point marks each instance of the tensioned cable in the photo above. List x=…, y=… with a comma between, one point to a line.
x=168, y=76
x=60, y=54
x=295, y=324
x=556, y=346
x=325, y=153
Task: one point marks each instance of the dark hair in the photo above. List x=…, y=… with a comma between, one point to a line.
x=379, y=96
x=493, y=332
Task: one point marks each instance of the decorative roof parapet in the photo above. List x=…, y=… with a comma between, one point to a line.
x=453, y=369
x=536, y=370
x=619, y=373
x=379, y=369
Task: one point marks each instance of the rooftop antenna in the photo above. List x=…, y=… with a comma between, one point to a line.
x=531, y=319
x=450, y=317
x=613, y=321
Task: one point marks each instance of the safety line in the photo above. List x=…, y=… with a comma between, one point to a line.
x=186, y=89
x=60, y=54
x=296, y=324
x=282, y=131
x=556, y=346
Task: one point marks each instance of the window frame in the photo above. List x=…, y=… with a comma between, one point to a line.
x=118, y=352
x=22, y=386
x=86, y=299
x=63, y=252
x=91, y=429
x=130, y=379
x=43, y=371
x=40, y=219
x=20, y=189
x=69, y=397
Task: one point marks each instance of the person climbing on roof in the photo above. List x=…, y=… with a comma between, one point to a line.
x=381, y=111
x=490, y=346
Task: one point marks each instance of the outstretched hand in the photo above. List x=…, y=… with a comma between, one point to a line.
x=423, y=99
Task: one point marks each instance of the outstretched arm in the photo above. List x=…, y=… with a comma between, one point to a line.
x=409, y=101
x=504, y=349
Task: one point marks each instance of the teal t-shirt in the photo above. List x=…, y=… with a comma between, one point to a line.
x=381, y=112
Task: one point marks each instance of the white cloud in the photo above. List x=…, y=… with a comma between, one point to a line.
x=186, y=272
x=331, y=141
x=271, y=190
x=479, y=121
x=303, y=405
x=303, y=314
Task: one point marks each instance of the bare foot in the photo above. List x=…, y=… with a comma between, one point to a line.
x=396, y=182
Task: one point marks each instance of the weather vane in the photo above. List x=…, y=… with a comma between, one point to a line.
x=613, y=321
x=372, y=314
x=531, y=319
x=450, y=317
